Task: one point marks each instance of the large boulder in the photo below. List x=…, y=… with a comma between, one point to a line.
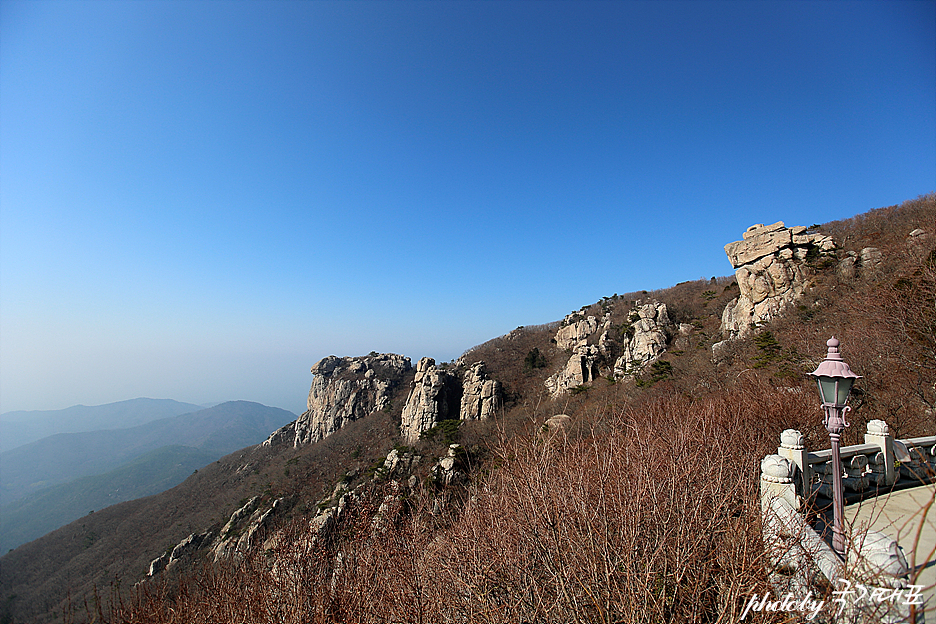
x=435, y=396
x=343, y=390
x=772, y=272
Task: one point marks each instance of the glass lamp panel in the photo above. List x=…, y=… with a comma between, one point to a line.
x=844, y=387
x=827, y=388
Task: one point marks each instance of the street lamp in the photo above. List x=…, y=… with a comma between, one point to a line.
x=835, y=380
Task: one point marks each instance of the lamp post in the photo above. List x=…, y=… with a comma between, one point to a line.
x=835, y=380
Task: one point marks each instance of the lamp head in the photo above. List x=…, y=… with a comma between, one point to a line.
x=834, y=376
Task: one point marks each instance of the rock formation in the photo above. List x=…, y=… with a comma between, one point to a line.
x=343, y=390
x=183, y=550
x=643, y=339
x=919, y=243
x=449, y=469
x=575, y=331
x=246, y=527
x=481, y=395
x=582, y=368
x=771, y=269
x=399, y=463
x=436, y=396
x=555, y=424
x=650, y=329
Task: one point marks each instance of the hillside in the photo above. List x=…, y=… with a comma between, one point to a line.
x=65, y=456
x=121, y=540
x=153, y=472
x=616, y=480
x=96, y=469
x=22, y=427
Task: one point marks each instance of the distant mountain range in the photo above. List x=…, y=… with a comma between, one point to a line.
x=37, y=514
x=52, y=481
x=22, y=427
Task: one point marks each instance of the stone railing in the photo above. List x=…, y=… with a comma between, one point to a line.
x=866, y=468
x=792, y=482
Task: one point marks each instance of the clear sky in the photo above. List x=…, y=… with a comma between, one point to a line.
x=199, y=200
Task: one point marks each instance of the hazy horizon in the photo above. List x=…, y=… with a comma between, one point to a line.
x=198, y=201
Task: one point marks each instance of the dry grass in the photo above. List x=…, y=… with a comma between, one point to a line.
x=643, y=515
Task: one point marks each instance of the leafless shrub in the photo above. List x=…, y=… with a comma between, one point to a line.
x=645, y=514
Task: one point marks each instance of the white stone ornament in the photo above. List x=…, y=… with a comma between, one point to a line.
x=791, y=439
x=776, y=469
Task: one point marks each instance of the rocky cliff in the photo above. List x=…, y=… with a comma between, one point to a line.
x=576, y=332
x=772, y=267
x=435, y=396
x=343, y=390
x=645, y=339
x=584, y=366
x=481, y=395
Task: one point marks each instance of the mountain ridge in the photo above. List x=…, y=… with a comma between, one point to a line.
x=45, y=471
x=42, y=512
x=20, y=427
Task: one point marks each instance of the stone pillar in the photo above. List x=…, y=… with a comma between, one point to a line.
x=791, y=447
x=777, y=481
x=879, y=435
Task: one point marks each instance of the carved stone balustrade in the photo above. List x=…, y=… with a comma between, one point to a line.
x=920, y=462
x=790, y=482
x=867, y=466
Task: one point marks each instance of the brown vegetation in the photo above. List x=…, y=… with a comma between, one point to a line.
x=645, y=515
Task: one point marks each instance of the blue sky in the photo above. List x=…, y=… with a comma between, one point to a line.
x=199, y=200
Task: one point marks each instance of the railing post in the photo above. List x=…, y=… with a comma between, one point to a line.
x=777, y=481
x=791, y=447
x=879, y=435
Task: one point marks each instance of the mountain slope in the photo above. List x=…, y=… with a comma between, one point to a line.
x=57, y=459
x=22, y=427
x=37, y=514
x=121, y=540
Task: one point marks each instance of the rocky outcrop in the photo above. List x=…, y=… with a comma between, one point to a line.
x=245, y=528
x=449, y=469
x=157, y=565
x=398, y=464
x=595, y=343
x=865, y=264
x=481, y=395
x=575, y=331
x=646, y=338
x=771, y=268
x=847, y=267
x=582, y=368
x=344, y=389
x=183, y=550
x=555, y=425
x=435, y=396
x=870, y=260
x=919, y=243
